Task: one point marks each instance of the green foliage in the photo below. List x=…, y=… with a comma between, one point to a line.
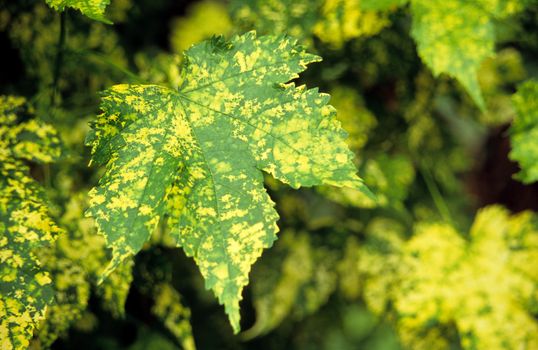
x=154, y=279
x=25, y=222
x=524, y=131
x=91, y=52
x=71, y=295
x=373, y=268
x=333, y=21
x=453, y=37
x=195, y=151
x=75, y=263
x=389, y=176
x=468, y=270
x=115, y=288
x=218, y=209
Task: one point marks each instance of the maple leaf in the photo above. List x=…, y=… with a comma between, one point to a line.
x=196, y=154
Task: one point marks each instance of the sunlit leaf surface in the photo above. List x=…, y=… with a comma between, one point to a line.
x=196, y=155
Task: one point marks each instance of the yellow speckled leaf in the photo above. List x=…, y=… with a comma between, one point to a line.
x=378, y=263
x=25, y=287
x=196, y=155
x=94, y=9
x=455, y=36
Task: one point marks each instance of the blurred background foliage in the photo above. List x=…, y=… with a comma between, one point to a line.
x=423, y=267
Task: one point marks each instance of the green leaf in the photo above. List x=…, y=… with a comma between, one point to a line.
x=524, y=131
x=25, y=287
x=454, y=37
x=195, y=154
x=94, y=9
x=36, y=141
x=31, y=139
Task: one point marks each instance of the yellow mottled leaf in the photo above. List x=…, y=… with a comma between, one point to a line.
x=455, y=36
x=196, y=154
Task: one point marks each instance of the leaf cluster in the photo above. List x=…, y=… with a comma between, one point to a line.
x=226, y=193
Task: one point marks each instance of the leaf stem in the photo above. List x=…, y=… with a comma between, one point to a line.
x=103, y=59
x=47, y=179
x=437, y=197
x=59, y=56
